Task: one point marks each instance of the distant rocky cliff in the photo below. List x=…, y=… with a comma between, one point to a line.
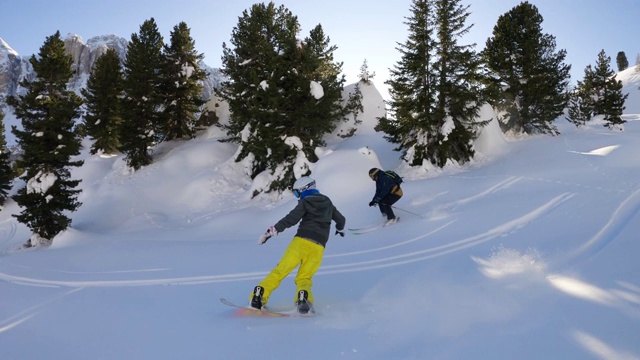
x=14, y=68
x=85, y=55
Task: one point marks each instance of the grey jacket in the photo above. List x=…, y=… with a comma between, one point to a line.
x=316, y=212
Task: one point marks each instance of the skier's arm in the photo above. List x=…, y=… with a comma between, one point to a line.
x=292, y=218
x=383, y=187
x=339, y=219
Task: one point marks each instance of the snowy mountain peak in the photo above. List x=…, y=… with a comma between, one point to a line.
x=6, y=49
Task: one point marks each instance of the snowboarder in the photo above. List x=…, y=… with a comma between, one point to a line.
x=388, y=192
x=315, y=212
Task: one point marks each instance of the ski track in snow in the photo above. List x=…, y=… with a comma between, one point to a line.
x=384, y=262
x=24, y=315
x=624, y=214
x=390, y=246
x=8, y=230
x=499, y=186
x=629, y=208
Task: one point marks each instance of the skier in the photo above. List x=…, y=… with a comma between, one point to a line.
x=315, y=212
x=388, y=192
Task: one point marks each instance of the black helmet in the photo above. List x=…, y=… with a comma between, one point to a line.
x=373, y=172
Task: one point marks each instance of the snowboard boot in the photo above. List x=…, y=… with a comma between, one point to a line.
x=256, y=300
x=303, y=304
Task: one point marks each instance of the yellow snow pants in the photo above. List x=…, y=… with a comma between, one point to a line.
x=301, y=252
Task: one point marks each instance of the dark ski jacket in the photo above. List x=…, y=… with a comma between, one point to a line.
x=385, y=184
x=316, y=212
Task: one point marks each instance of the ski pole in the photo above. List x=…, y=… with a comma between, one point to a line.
x=407, y=211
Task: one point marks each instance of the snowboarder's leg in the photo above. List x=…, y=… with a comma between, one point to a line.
x=290, y=259
x=311, y=256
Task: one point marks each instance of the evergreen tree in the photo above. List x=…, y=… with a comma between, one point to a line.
x=622, y=61
x=435, y=88
x=182, y=85
x=354, y=107
x=526, y=72
x=606, y=92
x=365, y=76
x=580, y=107
x=142, y=103
x=6, y=174
x=412, y=107
x=284, y=94
x=458, y=98
x=48, y=112
x=599, y=93
x=103, y=98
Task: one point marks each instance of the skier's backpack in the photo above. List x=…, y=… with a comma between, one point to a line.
x=392, y=174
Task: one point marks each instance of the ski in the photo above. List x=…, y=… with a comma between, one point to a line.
x=249, y=311
x=360, y=231
x=370, y=228
x=365, y=229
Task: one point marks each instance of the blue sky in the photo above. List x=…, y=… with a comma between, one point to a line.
x=361, y=29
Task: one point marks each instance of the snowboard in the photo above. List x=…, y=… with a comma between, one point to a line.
x=249, y=311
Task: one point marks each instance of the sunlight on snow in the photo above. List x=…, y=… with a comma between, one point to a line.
x=599, y=348
x=603, y=151
x=581, y=289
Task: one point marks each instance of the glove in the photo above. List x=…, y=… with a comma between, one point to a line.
x=271, y=231
x=373, y=203
x=340, y=232
x=263, y=238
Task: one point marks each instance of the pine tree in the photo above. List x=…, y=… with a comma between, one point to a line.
x=6, y=174
x=182, y=85
x=580, y=108
x=354, y=107
x=365, y=76
x=412, y=117
x=48, y=112
x=435, y=88
x=621, y=61
x=458, y=87
x=142, y=103
x=526, y=72
x=606, y=92
x=284, y=94
x=103, y=100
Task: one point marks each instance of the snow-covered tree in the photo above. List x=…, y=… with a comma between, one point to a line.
x=103, y=100
x=434, y=88
x=599, y=93
x=142, y=103
x=606, y=92
x=6, y=174
x=48, y=112
x=182, y=79
x=580, y=107
x=365, y=75
x=284, y=93
x=528, y=77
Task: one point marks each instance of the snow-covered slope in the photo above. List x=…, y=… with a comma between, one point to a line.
x=529, y=252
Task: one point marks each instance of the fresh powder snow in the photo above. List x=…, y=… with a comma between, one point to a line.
x=530, y=251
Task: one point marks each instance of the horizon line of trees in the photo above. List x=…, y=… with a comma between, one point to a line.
x=285, y=93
